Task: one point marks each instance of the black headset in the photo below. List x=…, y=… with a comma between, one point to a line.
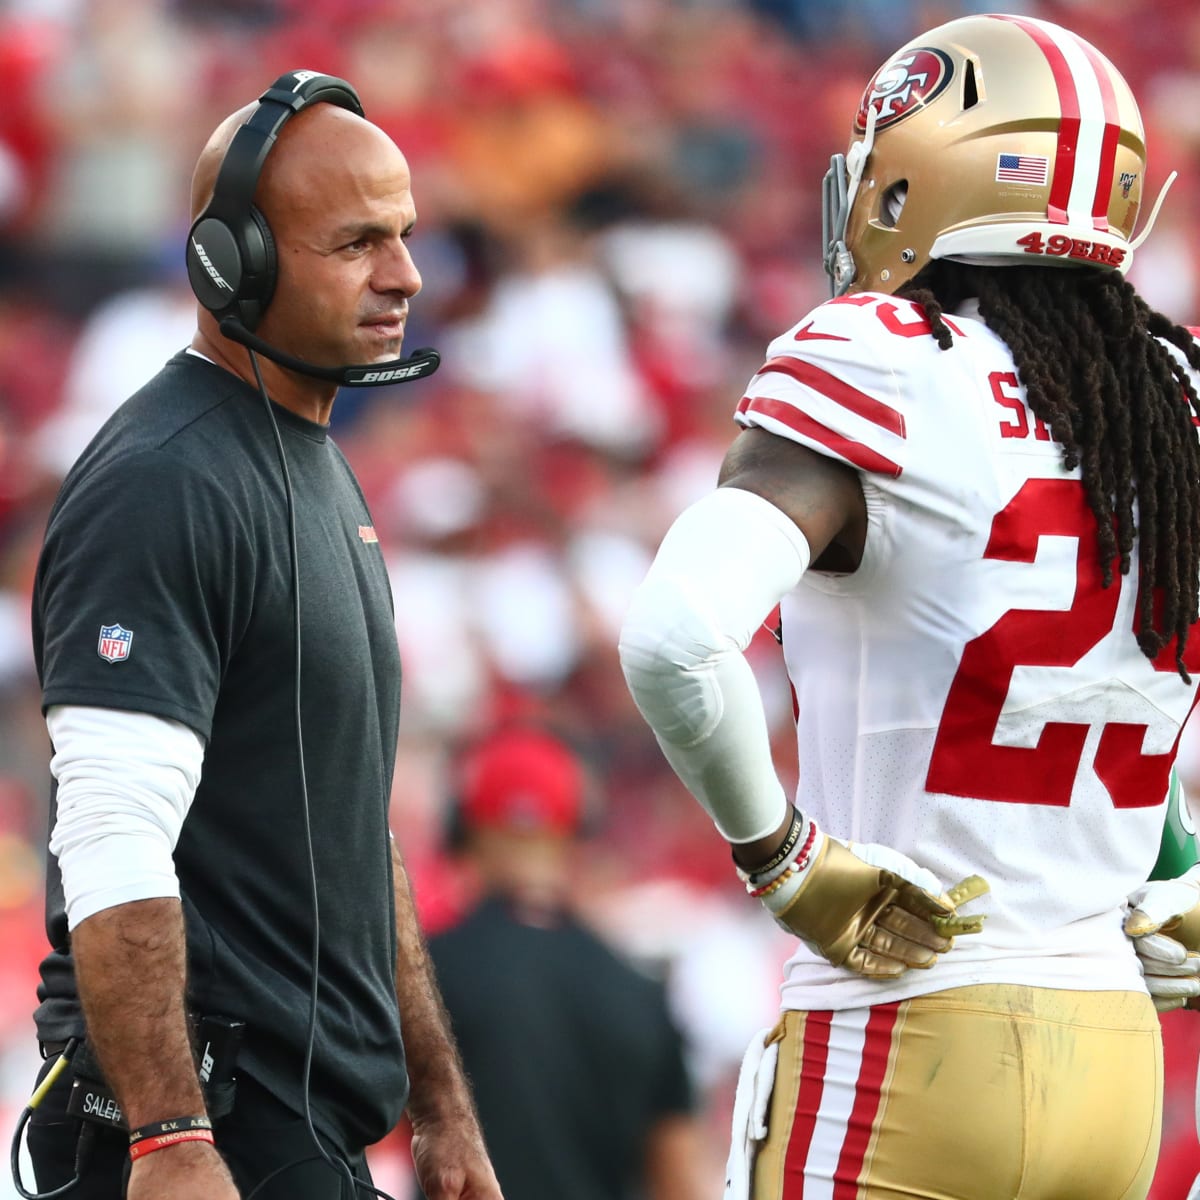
x=230, y=250
x=231, y=260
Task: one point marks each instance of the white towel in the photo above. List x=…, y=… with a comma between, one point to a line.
x=750, y=1102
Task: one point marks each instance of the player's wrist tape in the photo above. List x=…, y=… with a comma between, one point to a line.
x=145, y=1139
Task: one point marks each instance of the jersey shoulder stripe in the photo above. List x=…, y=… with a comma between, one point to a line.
x=837, y=390
x=836, y=384
x=855, y=453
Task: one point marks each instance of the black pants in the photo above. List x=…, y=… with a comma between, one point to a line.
x=260, y=1136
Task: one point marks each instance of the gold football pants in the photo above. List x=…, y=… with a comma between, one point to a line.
x=996, y=1092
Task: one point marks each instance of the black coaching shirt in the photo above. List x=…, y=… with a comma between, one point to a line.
x=164, y=587
x=572, y=1054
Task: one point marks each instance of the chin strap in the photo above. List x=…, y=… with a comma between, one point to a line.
x=856, y=160
x=1162, y=195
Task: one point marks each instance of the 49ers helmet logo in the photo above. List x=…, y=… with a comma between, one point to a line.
x=903, y=85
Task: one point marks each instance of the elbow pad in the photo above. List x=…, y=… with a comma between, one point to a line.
x=671, y=649
x=724, y=564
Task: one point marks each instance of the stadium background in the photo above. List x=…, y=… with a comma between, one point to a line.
x=619, y=206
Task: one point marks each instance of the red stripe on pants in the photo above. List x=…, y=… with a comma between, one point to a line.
x=877, y=1049
x=808, y=1102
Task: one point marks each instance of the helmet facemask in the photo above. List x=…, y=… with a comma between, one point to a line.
x=839, y=189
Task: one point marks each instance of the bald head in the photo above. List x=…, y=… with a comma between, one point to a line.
x=336, y=193
x=316, y=139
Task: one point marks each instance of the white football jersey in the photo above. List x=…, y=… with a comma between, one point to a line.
x=971, y=695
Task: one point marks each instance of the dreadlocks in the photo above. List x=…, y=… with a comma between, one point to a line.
x=1087, y=349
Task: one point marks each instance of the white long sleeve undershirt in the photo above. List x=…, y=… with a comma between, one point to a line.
x=125, y=783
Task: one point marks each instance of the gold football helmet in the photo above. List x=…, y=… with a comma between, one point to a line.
x=991, y=139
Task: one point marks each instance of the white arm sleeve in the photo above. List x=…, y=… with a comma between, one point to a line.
x=125, y=783
x=724, y=564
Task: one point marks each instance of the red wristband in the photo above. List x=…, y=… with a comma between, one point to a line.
x=793, y=868
x=163, y=1140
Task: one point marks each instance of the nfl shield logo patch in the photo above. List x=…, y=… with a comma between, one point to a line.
x=114, y=642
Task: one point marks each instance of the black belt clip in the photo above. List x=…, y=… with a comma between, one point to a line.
x=91, y=1099
x=218, y=1040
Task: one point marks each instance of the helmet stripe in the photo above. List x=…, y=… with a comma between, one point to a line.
x=1068, y=128
x=1088, y=129
x=1092, y=125
x=1112, y=133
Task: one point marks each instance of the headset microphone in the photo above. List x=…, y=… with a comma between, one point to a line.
x=417, y=365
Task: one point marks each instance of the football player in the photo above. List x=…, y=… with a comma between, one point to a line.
x=972, y=482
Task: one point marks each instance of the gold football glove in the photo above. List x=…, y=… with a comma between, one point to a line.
x=868, y=918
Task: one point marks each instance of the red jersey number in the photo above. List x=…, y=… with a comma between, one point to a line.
x=965, y=759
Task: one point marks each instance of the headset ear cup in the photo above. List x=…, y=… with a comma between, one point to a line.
x=231, y=259
x=214, y=264
x=258, y=280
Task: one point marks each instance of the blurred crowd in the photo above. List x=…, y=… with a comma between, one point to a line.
x=619, y=206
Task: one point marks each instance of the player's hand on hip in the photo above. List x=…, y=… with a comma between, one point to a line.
x=1164, y=923
x=451, y=1161
x=868, y=908
x=189, y=1171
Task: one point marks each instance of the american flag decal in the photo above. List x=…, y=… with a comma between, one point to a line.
x=114, y=643
x=1022, y=168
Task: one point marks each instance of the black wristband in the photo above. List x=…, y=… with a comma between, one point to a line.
x=159, y=1128
x=786, y=847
